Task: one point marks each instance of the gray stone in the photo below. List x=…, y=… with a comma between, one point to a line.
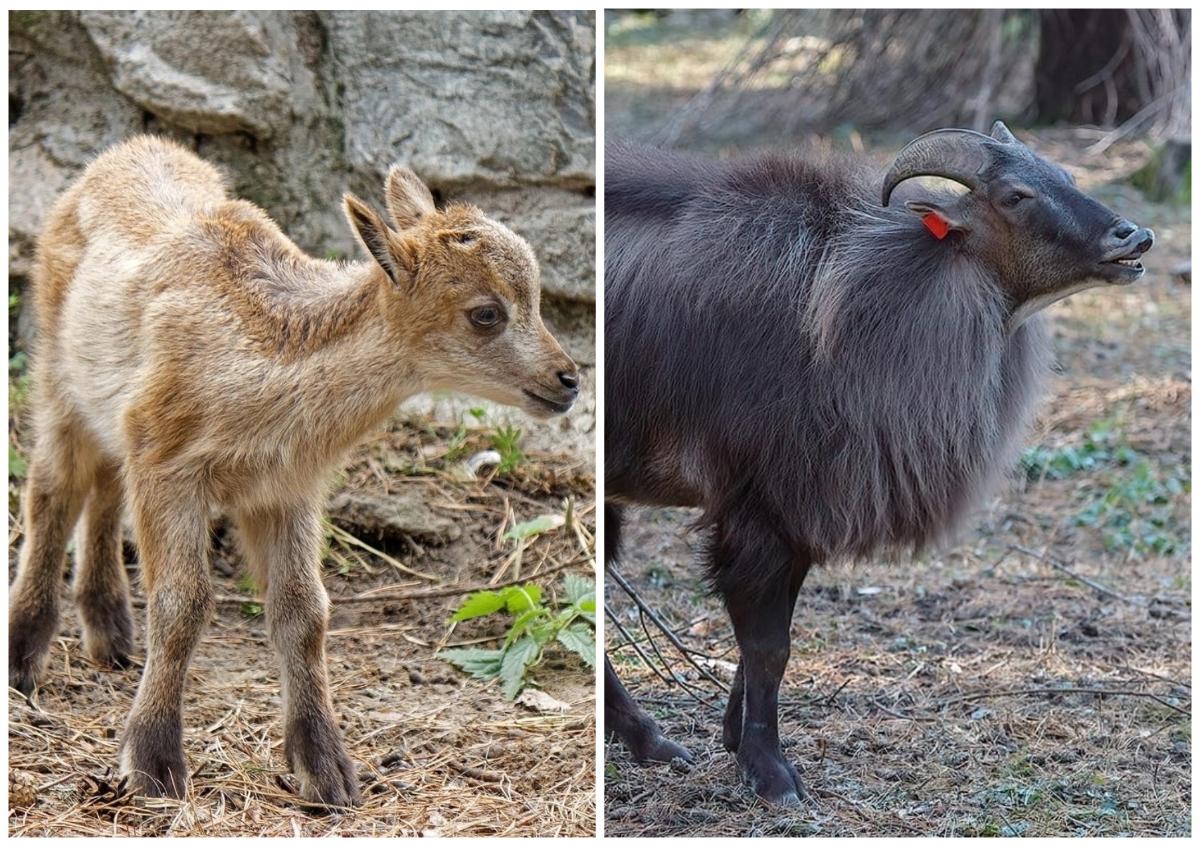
x=499, y=98
x=495, y=108
x=396, y=516
x=209, y=72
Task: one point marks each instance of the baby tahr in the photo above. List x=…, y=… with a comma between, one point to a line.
x=191, y=359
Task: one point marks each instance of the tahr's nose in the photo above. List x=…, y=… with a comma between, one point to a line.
x=1130, y=239
x=569, y=379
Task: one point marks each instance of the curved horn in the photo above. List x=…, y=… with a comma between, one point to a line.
x=956, y=154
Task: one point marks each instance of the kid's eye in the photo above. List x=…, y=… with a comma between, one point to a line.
x=485, y=317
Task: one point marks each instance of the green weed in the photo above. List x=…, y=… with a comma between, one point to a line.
x=1134, y=503
x=506, y=441
x=534, y=627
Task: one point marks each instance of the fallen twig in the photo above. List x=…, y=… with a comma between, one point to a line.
x=1059, y=565
x=1036, y=691
x=662, y=626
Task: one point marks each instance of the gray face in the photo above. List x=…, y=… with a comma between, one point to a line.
x=1046, y=233
x=1023, y=216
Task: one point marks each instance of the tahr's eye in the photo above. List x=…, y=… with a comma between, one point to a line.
x=1011, y=201
x=464, y=238
x=486, y=317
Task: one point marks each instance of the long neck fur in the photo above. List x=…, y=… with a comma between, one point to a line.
x=811, y=352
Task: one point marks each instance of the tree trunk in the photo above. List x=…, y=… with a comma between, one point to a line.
x=1082, y=72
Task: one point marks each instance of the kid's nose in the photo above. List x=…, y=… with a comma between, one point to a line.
x=569, y=379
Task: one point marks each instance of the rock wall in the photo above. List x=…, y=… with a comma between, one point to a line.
x=496, y=108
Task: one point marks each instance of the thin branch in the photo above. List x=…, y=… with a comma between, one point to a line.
x=1046, y=558
x=662, y=626
x=1036, y=691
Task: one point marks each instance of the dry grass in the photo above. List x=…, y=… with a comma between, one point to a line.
x=436, y=752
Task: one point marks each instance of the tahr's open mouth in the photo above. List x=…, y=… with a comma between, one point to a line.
x=1122, y=271
x=1124, y=265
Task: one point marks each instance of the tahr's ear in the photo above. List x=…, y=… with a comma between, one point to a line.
x=379, y=240
x=939, y=218
x=1000, y=133
x=408, y=198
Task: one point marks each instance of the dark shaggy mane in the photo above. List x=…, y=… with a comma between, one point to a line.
x=775, y=336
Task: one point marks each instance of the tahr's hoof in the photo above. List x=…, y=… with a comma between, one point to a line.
x=773, y=779
x=318, y=758
x=152, y=762
x=109, y=645
x=164, y=777
x=332, y=790
x=666, y=751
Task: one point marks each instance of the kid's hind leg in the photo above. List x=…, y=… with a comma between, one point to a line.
x=171, y=524
x=59, y=477
x=101, y=586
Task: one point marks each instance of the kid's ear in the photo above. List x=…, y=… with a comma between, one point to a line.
x=408, y=199
x=939, y=219
x=396, y=259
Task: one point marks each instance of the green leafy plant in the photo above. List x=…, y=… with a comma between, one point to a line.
x=17, y=468
x=535, y=626
x=1138, y=510
x=18, y=383
x=1133, y=501
x=1102, y=447
x=251, y=607
x=506, y=440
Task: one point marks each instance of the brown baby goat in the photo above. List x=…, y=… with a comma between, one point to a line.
x=191, y=358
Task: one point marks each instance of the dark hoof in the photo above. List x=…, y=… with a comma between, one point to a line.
x=319, y=761
x=661, y=749
x=731, y=733
x=107, y=630
x=772, y=779
x=29, y=635
x=164, y=775
x=23, y=675
x=25, y=666
x=109, y=649
x=152, y=762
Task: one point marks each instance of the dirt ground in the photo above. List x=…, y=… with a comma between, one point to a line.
x=437, y=752
x=1032, y=680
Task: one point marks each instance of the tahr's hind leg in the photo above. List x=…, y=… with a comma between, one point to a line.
x=101, y=586
x=636, y=729
x=58, y=480
x=749, y=562
x=622, y=715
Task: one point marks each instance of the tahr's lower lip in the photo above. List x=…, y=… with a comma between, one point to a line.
x=554, y=405
x=1123, y=269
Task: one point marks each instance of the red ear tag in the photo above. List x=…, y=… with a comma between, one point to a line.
x=936, y=224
